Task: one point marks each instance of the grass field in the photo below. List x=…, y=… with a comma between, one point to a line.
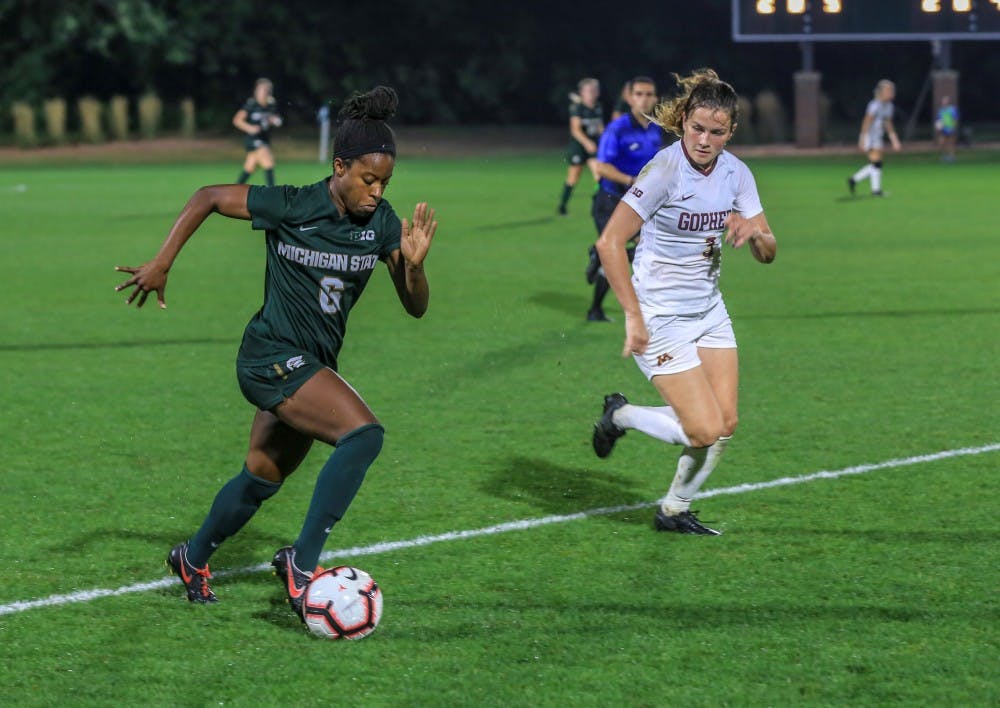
x=872, y=339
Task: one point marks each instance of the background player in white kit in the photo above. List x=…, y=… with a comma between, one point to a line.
x=875, y=125
x=689, y=200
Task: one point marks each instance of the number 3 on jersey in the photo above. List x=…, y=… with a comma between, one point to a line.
x=330, y=290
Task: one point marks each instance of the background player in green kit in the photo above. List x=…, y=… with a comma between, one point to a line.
x=586, y=123
x=323, y=242
x=256, y=118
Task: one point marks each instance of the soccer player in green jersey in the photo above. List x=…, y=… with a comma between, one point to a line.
x=586, y=123
x=323, y=242
x=256, y=118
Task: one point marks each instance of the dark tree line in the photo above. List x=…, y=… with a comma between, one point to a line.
x=452, y=62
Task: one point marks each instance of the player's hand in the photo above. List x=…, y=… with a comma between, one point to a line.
x=417, y=235
x=739, y=230
x=636, y=336
x=147, y=278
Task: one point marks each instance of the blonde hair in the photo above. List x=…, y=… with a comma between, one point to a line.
x=701, y=89
x=884, y=83
x=587, y=82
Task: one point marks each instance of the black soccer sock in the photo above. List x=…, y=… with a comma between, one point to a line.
x=234, y=505
x=244, y=176
x=566, y=194
x=601, y=288
x=336, y=486
x=269, y=177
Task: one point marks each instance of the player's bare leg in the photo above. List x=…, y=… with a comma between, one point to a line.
x=266, y=161
x=326, y=408
x=276, y=448
x=704, y=401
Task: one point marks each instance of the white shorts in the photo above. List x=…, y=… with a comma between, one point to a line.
x=674, y=340
x=874, y=142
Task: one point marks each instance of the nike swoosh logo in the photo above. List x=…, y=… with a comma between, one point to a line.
x=307, y=228
x=293, y=592
x=687, y=196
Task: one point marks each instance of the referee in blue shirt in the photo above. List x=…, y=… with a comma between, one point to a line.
x=627, y=144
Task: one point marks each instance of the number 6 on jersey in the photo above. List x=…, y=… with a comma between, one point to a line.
x=329, y=294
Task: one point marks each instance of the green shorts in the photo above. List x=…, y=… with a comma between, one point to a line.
x=256, y=142
x=576, y=154
x=266, y=384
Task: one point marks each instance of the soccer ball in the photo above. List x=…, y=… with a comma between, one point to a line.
x=342, y=603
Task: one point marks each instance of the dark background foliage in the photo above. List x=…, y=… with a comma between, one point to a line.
x=452, y=62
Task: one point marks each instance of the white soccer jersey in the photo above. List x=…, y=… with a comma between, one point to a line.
x=677, y=261
x=880, y=111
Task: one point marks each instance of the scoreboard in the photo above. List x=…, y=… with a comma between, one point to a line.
x=864, y=20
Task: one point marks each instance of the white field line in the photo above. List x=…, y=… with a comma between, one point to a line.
x=389, y=546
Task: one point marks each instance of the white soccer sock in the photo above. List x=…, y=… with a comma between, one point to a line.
x=876, y=179
x=660, y=423
x=693, y=468
x=691, y=460
x=862, y=173
x=711, y=460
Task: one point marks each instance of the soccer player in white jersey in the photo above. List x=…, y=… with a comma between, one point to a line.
x=689, y=201
x=876, y=124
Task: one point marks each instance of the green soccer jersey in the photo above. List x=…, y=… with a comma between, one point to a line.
x=318, y=263
x=260, y=116
x=591, y=119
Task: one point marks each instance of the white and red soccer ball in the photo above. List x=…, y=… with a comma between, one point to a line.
x=342, y=603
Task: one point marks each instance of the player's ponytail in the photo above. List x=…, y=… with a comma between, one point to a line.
x=362, y=129
x=701, y=89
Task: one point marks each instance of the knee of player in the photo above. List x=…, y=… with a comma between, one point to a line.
x=729, y=426
x=367, y=439
x=704, y=436
x=262, y=465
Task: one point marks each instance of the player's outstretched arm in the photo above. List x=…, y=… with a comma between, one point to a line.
x=226, y=199
x=755, y=232
x=406, y=266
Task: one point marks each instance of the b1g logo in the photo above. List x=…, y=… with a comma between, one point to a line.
x=366, y=235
